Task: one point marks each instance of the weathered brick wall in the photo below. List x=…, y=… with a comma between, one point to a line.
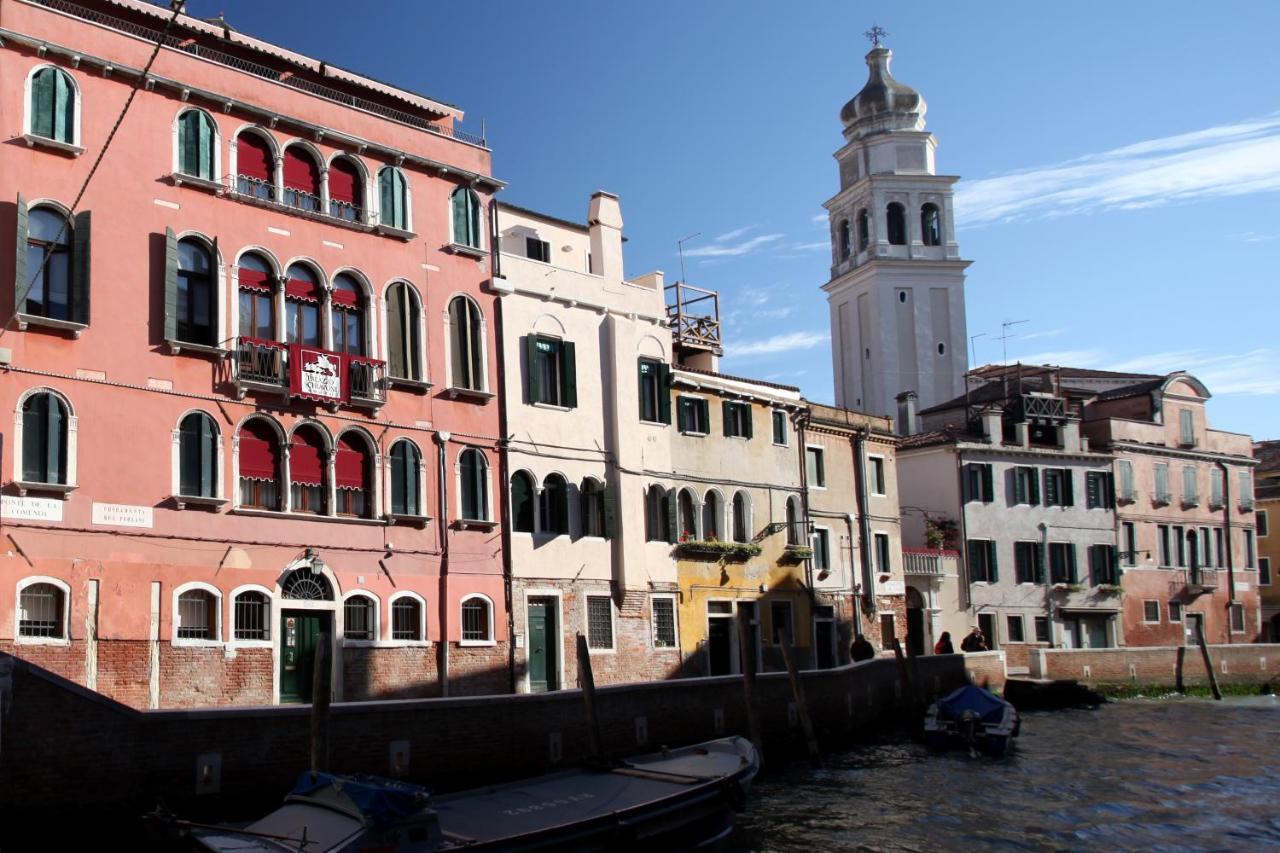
x=403, y=672
x=1236, y=664
x=66, y=660
x=987, y=669
x=124, y=671
x=197, y=676
x=123, y=760
x=479, y=670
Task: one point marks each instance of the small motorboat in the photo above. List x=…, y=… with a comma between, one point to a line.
x=974, y=718
x=679, y=798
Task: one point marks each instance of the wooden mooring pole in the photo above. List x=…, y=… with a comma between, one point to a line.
x=802, y=706
x=1178, y=683
x=321, y=689
x=587, y=681
x=1208, y=661
x=746, y=653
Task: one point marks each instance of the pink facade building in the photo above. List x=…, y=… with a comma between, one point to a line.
x=252, y=373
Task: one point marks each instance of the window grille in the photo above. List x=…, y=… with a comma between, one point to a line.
x=40, y=611
x=664, y=623
x=406, y=623
x=475, y=620
x=599, y=622
x=357, y=616
x=253, y=616
x=195, y=616
x=303, y=585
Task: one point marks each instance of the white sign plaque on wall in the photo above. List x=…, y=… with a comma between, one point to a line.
x=122, y=515
x=31, y=509
x=891, y=588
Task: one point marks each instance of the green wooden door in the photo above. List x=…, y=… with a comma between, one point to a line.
x=544, y=653
x=300, y=632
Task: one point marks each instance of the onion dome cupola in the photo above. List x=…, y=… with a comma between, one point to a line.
x=884, y=104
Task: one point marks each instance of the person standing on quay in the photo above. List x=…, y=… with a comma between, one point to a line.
x=861, y=649
x=975, y=642
x=943, y=646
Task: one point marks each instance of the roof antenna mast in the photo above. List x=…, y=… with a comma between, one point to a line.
x=1004, y=350
x=680, y=247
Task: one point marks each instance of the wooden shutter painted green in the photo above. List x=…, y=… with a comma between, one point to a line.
x=54, y=440
x=33, y=438
x=726, y=415
x=396, y=343
x=80, y=268
x=673, y=523
x=399, y=479
x=610, y=501
x=683, y=406
x=1070, y=548
x=64, y=109
x=664, y=393
x=749, y=419
x=20, y=281
x=170, y=285
x=975, y=551
x=1039, y=563
x=534, y=385
x=387, y=198
x=460, y=216
x=1068, y=493
x=204, y=136
x=642, y=369
x=993, y=571
x=1033, y=480
x=568, y=375
x=208, y=456
x=42, y=102
x=1019, y=485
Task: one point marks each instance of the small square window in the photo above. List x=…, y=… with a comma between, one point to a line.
x=1175, y=611
x=816, y=461
x=737, y=419
x=538, y=250
x=1042, y=629
x=599, y=622
x=1150, y=611
x=694, y=415
x=779, y=427
x=1237, y=618
x=664, y=622
x=1015, y=629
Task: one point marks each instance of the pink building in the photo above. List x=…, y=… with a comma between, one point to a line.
x=252, y=374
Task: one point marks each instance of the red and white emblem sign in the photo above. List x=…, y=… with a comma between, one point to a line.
x=320, y=374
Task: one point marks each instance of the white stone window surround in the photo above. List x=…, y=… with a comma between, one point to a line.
x=488, y=479
x=820, y=465
x=422, y=621
x=884, y=474
x=220, y=297
x=216, y=144
x=72, y=429
x=375, y=626
x=65, y=589
x=675, y=622
x=175, y=622
x=451, y=341
x=612, y=648
x=1146, y=611
x=489, y=615
x=75, y=146
x=384, y=468
x=423, y=363
x=219, y=462
x=273, y=612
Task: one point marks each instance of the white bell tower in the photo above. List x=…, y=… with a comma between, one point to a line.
x=896, y=292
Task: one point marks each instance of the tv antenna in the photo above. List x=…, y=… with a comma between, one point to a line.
x=1004, y=337
x=680, y=247
x=973, y=350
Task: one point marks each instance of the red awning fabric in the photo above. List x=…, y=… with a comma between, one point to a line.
x=350, y=463
x=306, y=465
x=254, y=280
x=344, y=182
x=344, y=297
x=300, y=170
x=259, y=452
x=298, y=288
x=253, y=157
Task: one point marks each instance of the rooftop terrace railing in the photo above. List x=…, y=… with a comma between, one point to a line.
x=249, y=67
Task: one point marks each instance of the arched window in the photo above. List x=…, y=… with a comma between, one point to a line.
x=44, y=439
x=302, y=306
x=931, y=225
x=53, y=105
x=197, y=615
x=474, y=489
x=553, y=505
x=49, y=264
x=404, y=337
x=741, y=517
x=346, y=190
x=394, y=197
x=657, y=515
x=257, y=306
x=466, y=217
x=407, y=618
x=347, y=314
x=712, y=513
x=406, y=467
x=195, y=302
x=198, y=456
x=522, y=491
x=307, y=488
x=360, y=618
x=794, y=533
x=896, y=223
x=688, y=516
x=477, y=619
x=844, y=239
x=305, y=583
x=591, y=496
x=259, y=466
x=255, y=166
x=353, y=475
x=466, y=345
x=197, y=145
x=864, y=230
x=301, y=179
x=42, y=611
x=252, y=616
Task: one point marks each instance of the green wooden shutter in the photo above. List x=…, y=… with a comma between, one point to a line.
x=458, y=343
x=80, y=268
x=1071, y=563
x=640, y=374
x=994, y=571
x=1068, y=493
x=399, y=479
x=396, y=338
x=1039, y=562
x=42, y=97
x=21, y=284
x=568, y=375
x=610, y=500
x=664, y=393
x=974, y=546
x=204, y=146
x=412, y=481
x=33, y=438
x=208, y=456
x=988, y=489
x=171, y=285
x=534, y=385
x=726, y=415
x=750, y=419
x=387, y=198
x=673, y=521
x=54, y=441
x=1033, y=480
x=1019, y=486
x=64, y=109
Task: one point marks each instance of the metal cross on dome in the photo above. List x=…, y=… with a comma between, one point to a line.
x=875, y=34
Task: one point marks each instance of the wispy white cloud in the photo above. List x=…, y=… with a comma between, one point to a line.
x=779, y=313
x=788, y=342
x=1252, y=372
x=1233, y=159
x=733, y=235
x=1068, y=357
x=727, y=249
x=821, y=245
x=821, y=217
x=1256, y=237
x=1047, y=333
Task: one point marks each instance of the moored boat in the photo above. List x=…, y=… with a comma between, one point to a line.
x=973, y=718
x=680, y=798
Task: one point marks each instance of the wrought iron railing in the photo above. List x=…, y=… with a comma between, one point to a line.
x=366, y=379
x=256, y=188
x=262, y=362
x=345, y=210
x=301, y=200
x=240, y=64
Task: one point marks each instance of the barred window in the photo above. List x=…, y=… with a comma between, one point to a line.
x=252, y=616
x=599, y=622
x=359, y=621
x=664, y=623
x=40, y=611
x=475, y=620
x=197, y=615
x=406, y=619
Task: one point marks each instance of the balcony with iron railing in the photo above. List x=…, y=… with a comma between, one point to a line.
x=268, y=367
x=930, y=562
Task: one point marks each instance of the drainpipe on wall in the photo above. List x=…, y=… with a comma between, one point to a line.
x=800, y=420
x=858, y=444
x=503, y=475
x=442, y=440
x=1048, y=580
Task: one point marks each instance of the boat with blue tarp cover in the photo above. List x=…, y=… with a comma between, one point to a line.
x=974, y=718
x=678, y=799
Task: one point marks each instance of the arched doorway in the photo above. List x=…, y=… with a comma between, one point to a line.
x=915, y=622
x=308, y=616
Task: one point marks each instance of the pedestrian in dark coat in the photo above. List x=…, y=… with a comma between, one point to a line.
x=861, y=649
x=975, y=642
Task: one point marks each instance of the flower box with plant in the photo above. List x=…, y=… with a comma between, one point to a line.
x=1109, y=589
x=796, y=553
x=715, y=549
x=1068, y=587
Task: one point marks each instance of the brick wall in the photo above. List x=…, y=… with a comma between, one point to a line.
x=123, y=760
x=986, y=668
x=403, y=672
x=1236, y=664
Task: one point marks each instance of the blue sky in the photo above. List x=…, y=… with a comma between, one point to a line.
x=1120, y=161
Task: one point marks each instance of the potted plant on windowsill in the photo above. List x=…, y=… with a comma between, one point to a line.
x=795, y=554
x=1108, y=589
x=1068, y=587
x=716, y=549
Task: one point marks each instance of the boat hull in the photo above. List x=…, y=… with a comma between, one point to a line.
x=972, y=718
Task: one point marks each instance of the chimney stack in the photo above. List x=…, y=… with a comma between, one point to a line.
x=908, y=423
x=604, y=221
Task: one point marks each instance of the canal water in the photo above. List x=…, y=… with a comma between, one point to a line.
x=1165, y=773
